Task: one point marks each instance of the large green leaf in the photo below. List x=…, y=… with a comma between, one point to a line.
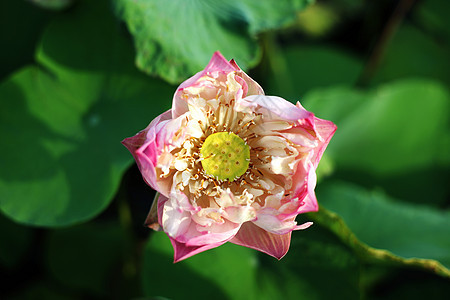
x=299, y=69
x=433, y=16
x=176, y=38
x=212, y=274
x=400, y=233
x=395, y=136
x=395, y=128
x=317, y=266
x=316, y=259
x=414, y=53
x=62, y=122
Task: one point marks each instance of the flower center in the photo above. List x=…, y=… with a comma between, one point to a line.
x=225, y=156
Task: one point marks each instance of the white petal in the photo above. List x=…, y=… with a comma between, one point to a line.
x=185, y=177
x=176, y=217
x=181, y=164
x=282, y=165
x=207, y=216
x=271, y=142
x=272, y=224
x=254, y=191
x=240, y=214
x=225, y=199
x=194, y=129
x=164, y=162
x=266, y=183
x=266, y=128
x=274, y=200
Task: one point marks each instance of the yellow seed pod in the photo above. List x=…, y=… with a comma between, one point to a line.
x=225, y=156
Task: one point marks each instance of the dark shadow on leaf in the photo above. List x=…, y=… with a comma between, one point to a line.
x=422, y=186
x=23, y=154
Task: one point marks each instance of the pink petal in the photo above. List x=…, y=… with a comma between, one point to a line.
x=161, y=201
x=244, y=85
x=182, y=251
x=218, y=234
x=303, y=226
x=146, y=139
x=300, y=182
x=325, y=129
x=251, y=86
x=309, y=204
x=252, y=236
x=307, y=196
x=278, y=108
x=269, y=221
x=217, y=63
x=310, y=201
x=300, y=136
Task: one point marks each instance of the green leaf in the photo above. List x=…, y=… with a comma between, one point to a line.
x=432, y=15
x=235, y=272
x=299, y=69
x=316, y=267
x=413, y=53
x=382, y=229
x=62, y=122
x=53, y=4
x=395, y=136
x=398, y=127
x=212, y=274
x=175, y=39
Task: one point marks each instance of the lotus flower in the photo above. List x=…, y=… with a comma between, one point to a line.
x=230, y=164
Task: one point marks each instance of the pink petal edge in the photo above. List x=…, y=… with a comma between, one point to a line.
x=251, y=87
x=325, y=129
x=217, y=63
x=146, y=138
x=182, y=251
x=284, y=109
x=252, y=236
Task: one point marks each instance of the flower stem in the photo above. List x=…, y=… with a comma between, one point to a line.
x=336, y=225
x=388, y=33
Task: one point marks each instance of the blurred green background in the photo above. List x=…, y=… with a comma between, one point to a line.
x=78, y=76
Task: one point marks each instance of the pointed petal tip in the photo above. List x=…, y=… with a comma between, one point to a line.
x=234, y=64
x=304, y=226
x=126, y=143
x=218, y=53
x=182, y=251
x=135, y=142
x=219, y=63
x=152, y=218
x=279, y=257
